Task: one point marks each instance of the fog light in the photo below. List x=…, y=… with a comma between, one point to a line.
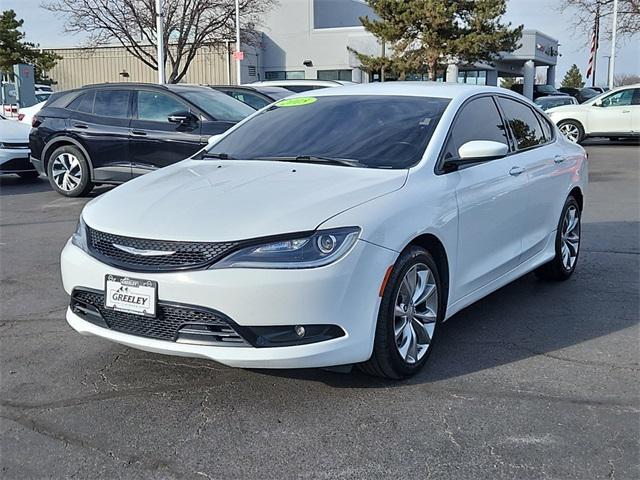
x=299, y=329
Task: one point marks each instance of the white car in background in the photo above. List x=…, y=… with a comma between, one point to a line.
x=614, y=114
x=339, y=226
x=301, y=85
x=25, y=115
x=14, y=149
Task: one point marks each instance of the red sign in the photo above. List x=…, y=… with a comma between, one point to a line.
x=239, y=55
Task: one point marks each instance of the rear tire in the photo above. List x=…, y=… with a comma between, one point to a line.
x=408, y=319
x=562, y=266
x=28, y=175
x=572, y=130
x=68, y=171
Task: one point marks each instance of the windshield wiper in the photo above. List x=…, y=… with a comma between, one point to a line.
x=315, y=159
x=219, y=156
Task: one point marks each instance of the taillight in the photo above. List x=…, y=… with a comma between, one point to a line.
x=20, y=116
x=35, y=122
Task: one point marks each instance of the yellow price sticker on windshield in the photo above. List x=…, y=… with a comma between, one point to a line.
x=296, y=102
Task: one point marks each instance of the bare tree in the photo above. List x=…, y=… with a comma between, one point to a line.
x=584, y=14
x=188, y=26
x=626, y=79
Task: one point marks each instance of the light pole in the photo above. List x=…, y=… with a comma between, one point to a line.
x=614, y=31
x=159, y=35
x=238, y=50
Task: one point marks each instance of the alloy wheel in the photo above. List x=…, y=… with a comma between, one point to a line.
x=570, y=237
x=415, y=313
x=570, y=131
x=66, y=171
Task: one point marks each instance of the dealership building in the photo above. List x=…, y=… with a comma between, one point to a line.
x=305, y=39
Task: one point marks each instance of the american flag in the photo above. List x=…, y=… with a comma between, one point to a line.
x=594, y=46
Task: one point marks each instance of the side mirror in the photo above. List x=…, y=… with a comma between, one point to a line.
x=181, y=117
x=213, y=139
x=477, y=151
x=598, y=103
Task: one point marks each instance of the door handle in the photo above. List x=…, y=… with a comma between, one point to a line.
x=80, y=125
x=559, y=159
x=626, y=111
x=515, y=171
x=138, y=132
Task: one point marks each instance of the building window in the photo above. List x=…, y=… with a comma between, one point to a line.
x=474, y=77
x=282, y=75
x=253, y=71
x=335, y=75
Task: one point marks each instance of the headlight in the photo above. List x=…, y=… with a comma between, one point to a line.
x=79, y=237
x=316, y=250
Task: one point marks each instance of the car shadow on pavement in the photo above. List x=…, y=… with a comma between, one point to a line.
x=529, y=317
x=14, y=185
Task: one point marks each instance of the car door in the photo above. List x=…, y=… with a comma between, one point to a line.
x=491, y=201
x=612, y=113
x=156, y=140
x=100, y=121
x=546, y=169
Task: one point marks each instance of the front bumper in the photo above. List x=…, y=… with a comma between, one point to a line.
x=14, y=160
x=344, y=293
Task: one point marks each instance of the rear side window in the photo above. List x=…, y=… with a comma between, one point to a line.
x=111, y=103
x=523, y=123
x=478, y=120
x=83, y=103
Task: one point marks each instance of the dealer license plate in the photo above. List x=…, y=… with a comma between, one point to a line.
x=131, y=295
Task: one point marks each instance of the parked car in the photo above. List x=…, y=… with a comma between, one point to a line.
x=14, y=149
x=545, y=103
x=111, y=133
x=600, y=89
x=338, y=227
x=25, y=115
x=256, y=97
x=613, y=114
x=300, y=85
x=580, y=94
x=538, y=90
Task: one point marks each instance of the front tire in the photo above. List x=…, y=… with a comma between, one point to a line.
x=572, y=130
x=68, y=171
x=412, y=307
x=562, y=266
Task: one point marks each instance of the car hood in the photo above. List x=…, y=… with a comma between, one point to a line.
x=206, y=200
x=566, y=109
x=14, y=132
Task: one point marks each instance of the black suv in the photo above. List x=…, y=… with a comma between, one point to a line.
x=111, y=133
x=539, y=90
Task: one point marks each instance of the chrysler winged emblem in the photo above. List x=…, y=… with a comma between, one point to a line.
x=143, y=252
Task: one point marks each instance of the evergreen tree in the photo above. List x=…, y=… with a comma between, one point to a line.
x=424, y=35
x=13, y=48
x=573, y=78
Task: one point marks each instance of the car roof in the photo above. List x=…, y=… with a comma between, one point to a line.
x=415, y=89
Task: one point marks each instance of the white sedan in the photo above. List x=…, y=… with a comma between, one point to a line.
x=331, y=229
x=14, y=149
x=614, y=114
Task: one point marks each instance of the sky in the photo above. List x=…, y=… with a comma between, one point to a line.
x=46, y=29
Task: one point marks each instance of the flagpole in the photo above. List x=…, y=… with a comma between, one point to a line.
x=595, y=54
x=238, y=48
x=160, y=42
x=614, y=31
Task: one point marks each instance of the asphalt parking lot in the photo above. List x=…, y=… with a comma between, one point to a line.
x=536, y=381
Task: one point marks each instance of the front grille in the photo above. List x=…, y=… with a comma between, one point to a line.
x=173, y=322
x=15, y=145
x=188, y=255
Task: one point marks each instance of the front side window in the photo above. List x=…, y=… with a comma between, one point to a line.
x=478, y=120
x=622, y=98
x=523, y=123
x=379, y=131
x=157, y=106
x=111, y=103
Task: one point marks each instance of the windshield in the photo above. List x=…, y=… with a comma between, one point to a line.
x=219, y=105
x=373, y=131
